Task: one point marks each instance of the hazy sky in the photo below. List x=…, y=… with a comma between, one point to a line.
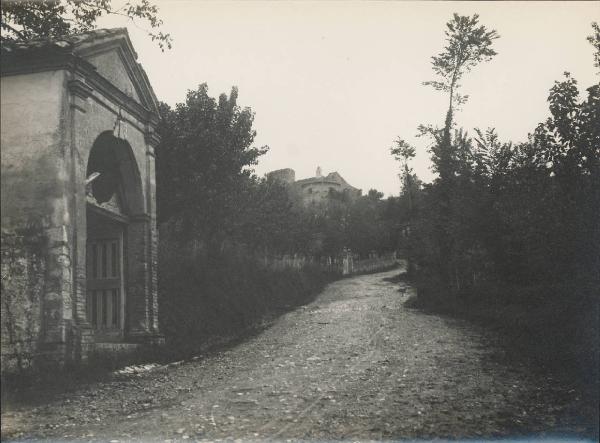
x=334, y=83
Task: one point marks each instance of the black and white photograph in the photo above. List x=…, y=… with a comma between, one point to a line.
x=300, y=221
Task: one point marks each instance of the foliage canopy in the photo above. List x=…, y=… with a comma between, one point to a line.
x=29, y=19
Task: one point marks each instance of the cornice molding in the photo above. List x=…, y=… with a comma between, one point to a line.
x=18, y=64
x=86, y=79
x=119, y=98
x=79, y=88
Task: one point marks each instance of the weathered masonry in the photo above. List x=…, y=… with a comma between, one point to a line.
x=79, y=238
x=314, y=190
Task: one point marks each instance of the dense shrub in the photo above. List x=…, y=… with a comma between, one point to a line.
x=226, y=296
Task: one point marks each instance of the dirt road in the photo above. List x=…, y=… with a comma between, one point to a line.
x=354, y=364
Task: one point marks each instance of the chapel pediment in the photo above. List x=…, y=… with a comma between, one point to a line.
x=112, y=66
x=109, y=52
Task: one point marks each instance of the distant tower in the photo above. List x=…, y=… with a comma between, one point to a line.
x=319, y=172
x=283, y=175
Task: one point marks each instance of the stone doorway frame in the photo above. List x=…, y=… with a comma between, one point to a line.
x=137, y=312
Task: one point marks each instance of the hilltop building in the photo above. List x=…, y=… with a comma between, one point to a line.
x=79, y=237
x=315, y=190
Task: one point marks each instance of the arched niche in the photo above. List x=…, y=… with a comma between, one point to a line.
x=112, y=172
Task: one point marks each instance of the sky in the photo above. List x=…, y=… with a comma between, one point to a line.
x=333, y=84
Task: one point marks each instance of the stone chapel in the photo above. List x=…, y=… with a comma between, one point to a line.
x=79, y=236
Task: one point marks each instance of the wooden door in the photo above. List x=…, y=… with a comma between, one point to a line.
x=105, y=286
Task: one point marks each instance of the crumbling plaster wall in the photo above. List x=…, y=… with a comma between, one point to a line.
x=33, y=148
x=36, y=276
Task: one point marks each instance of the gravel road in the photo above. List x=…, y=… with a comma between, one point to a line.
x=353, y=364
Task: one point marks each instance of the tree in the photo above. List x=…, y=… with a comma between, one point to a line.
x=566, y=150
x=404, y=153
x=467, y=45
x=366, y=230
x=374, y=194
x=594, y=40
x=203, y=165
x=28, y=19
x=524, y=214
x=268, y=220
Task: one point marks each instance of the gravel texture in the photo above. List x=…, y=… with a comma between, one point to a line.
x=355, y=364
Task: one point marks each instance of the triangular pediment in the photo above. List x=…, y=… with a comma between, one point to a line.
x=111, y=66
x=114, y=58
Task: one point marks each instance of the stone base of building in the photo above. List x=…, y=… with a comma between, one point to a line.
x=124, y=353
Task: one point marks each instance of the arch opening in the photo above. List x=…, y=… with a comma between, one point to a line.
x=114, y=194
x=112, y=175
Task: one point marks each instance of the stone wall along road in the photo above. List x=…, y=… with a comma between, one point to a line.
x=353, y=364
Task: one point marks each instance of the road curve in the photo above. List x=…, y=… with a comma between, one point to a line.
x=353, y=364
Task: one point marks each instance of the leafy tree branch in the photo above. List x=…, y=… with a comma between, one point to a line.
x=29, y=19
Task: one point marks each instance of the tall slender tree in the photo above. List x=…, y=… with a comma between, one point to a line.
x=467, y=45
